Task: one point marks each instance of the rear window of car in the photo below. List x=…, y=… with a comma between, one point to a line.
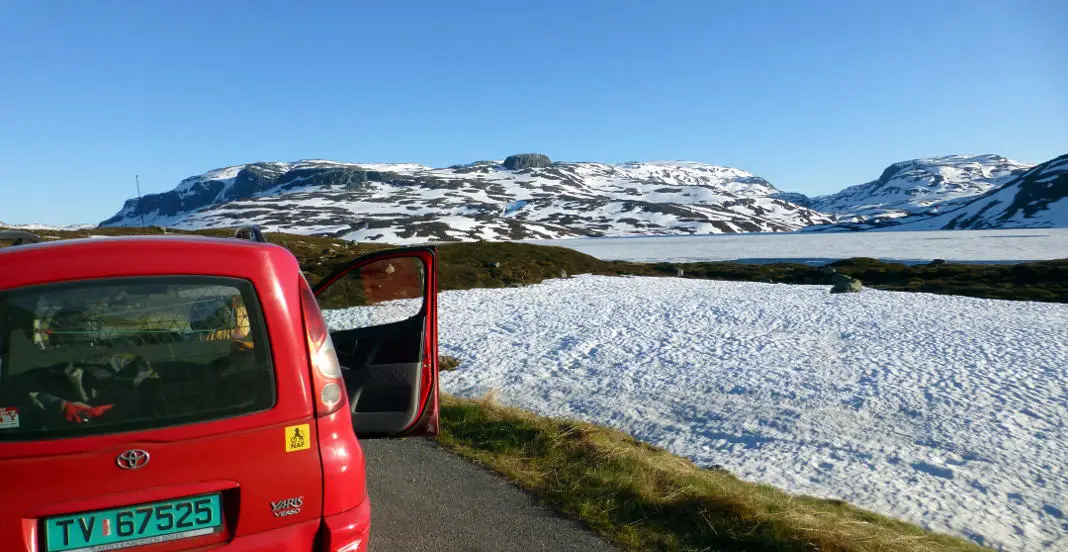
x=124, y=354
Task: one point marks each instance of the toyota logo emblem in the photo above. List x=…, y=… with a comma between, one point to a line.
x=132, y=459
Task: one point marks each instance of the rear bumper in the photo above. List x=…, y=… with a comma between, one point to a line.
x=347, y=531
x=344, y=532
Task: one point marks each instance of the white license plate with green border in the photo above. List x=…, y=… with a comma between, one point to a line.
x=138, y=525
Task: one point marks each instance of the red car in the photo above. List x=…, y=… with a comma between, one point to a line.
x=185, y=393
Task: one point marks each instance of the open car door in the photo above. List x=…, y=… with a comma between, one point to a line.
x=382, y=313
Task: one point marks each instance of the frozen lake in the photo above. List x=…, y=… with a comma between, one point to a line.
x=814, y=248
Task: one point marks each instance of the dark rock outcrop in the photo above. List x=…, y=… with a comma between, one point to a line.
x=845, y=284
x=522, y=161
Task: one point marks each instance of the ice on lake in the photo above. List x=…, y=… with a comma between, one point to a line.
x=820, y=248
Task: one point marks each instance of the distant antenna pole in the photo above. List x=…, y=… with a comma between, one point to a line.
x=140, y=206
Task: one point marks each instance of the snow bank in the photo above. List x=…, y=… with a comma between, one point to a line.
x=945, y=411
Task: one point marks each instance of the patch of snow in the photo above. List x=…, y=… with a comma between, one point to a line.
x=225, y=174
x=945, y=411
x=514, y=206
x=385, y=312
x=394, y=167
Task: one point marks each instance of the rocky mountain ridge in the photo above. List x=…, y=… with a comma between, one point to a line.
x=401, y=203
x=528, y=196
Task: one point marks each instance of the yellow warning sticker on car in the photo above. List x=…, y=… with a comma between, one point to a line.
x=297, y=438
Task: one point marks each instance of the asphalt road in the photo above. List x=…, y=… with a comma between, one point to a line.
x=424, y=498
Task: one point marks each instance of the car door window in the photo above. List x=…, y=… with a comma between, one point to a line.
x=382, y=292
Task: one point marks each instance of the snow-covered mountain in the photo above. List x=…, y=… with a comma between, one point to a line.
x=525, y=196
x=920, y=186
x=528, y=196
x=36, y=226
x=1036, y=199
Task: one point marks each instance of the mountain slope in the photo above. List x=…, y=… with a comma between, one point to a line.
x=400, y=203
x=921, y=186
x=1036, y=199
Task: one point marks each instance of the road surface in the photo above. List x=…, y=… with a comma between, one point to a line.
x=424, y=498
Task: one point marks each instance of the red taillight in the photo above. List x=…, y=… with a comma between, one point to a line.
x=326, y=371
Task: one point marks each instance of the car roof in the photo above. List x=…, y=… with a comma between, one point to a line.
x=135, y=255
x=163, y=238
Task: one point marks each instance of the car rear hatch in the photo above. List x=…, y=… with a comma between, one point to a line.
x=171, y=411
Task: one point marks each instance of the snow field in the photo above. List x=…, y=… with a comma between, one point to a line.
x=945, y=411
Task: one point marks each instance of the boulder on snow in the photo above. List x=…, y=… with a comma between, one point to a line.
x=526, y=160
x=845, y=284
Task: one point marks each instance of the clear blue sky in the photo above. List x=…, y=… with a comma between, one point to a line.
x=813, y=96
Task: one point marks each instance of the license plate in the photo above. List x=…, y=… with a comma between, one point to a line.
x=134, y=525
